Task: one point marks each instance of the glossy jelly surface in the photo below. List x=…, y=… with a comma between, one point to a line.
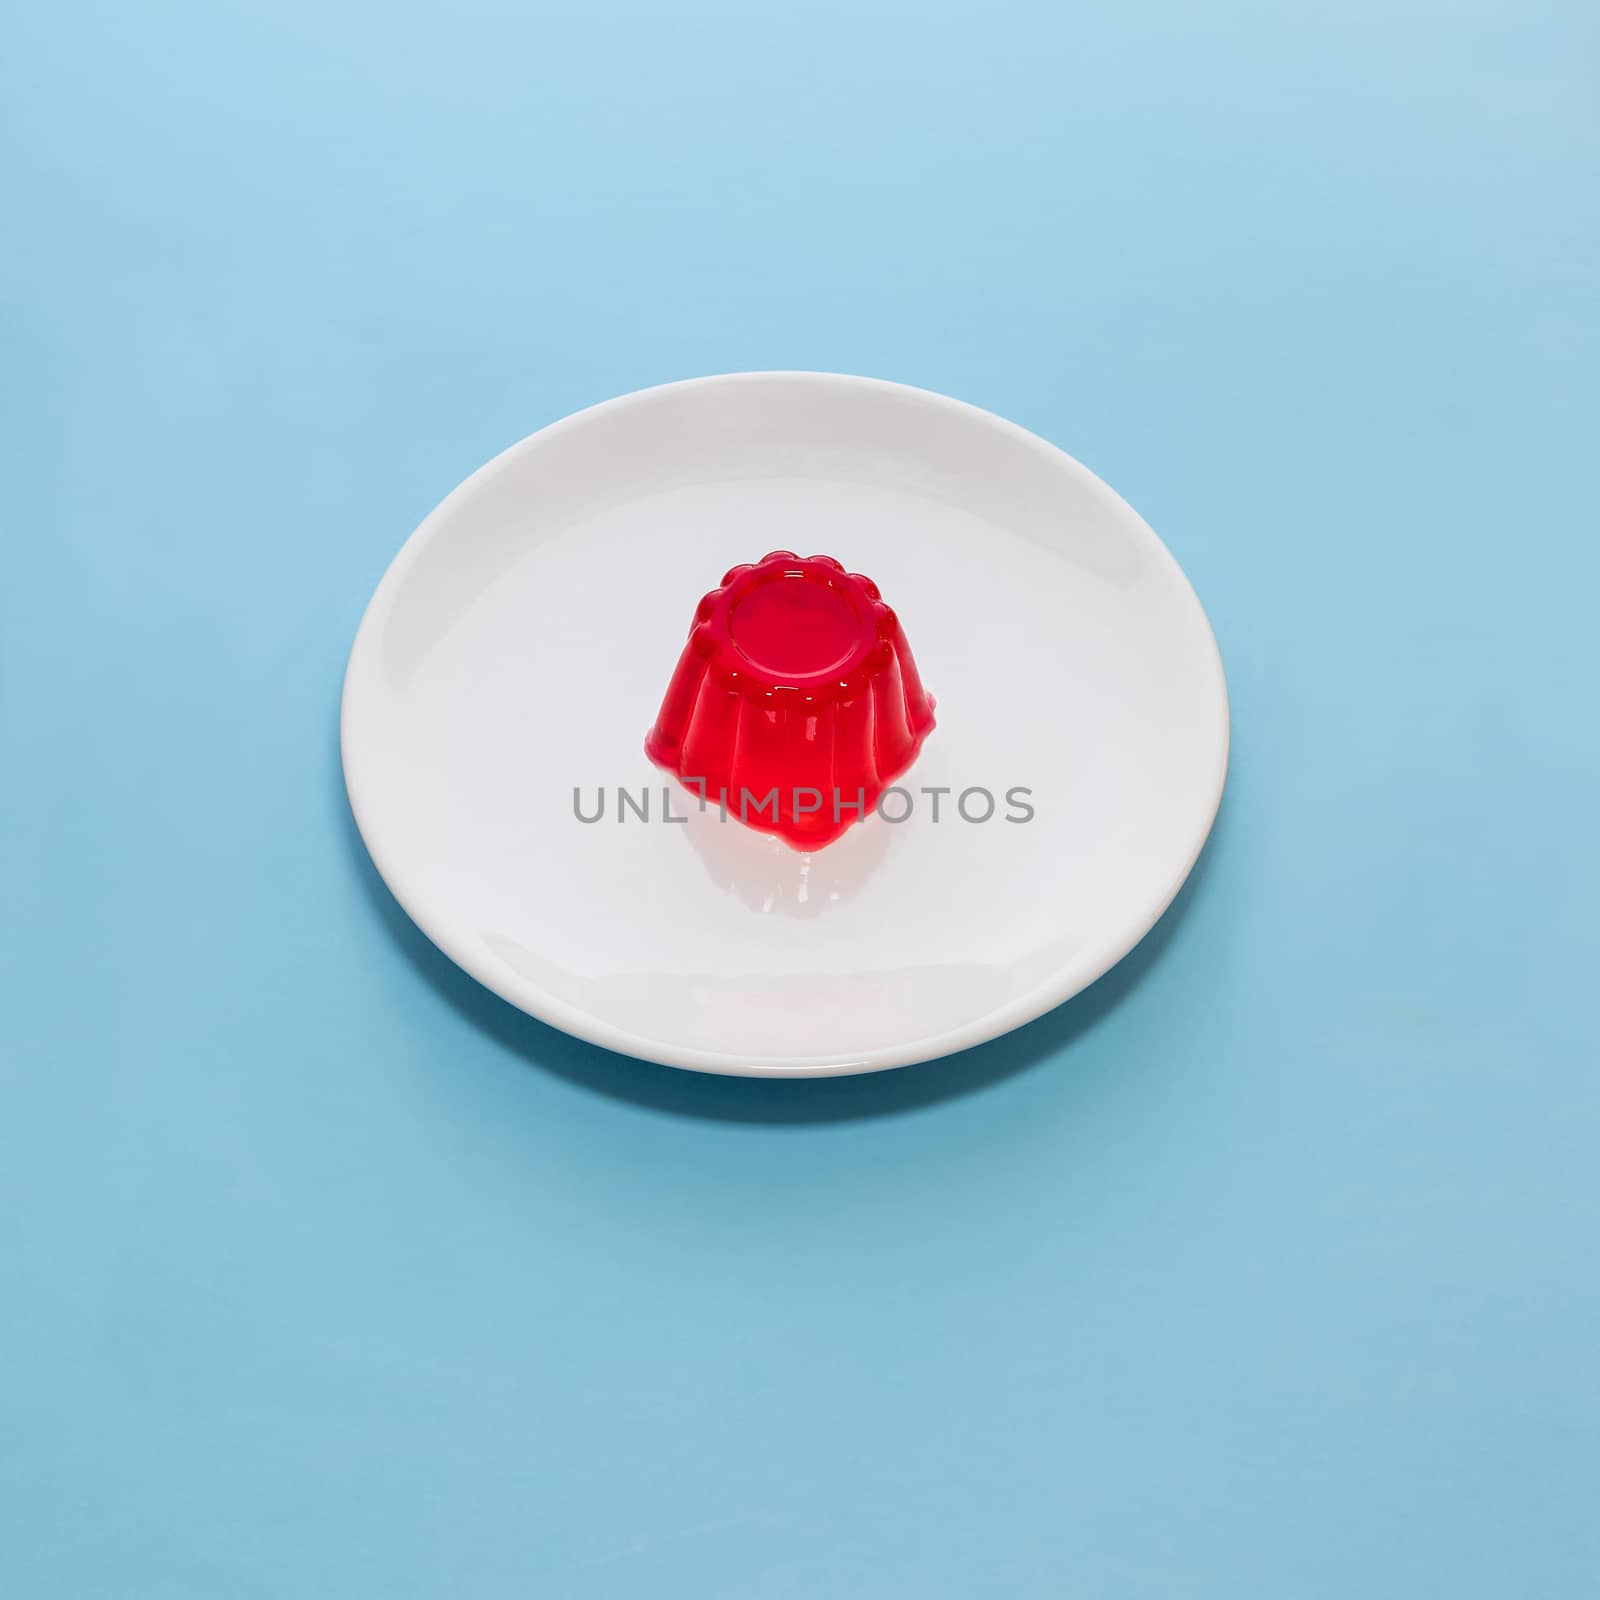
x=795, y=702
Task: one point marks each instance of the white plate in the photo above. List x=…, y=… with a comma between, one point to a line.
x=520, y=643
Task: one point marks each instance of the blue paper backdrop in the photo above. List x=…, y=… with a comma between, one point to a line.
x=1265, y=1268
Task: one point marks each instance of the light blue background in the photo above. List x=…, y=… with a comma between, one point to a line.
x=1265, y=1268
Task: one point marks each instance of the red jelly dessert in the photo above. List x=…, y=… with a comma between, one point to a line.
x=795, y=702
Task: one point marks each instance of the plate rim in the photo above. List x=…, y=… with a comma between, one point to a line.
x=1070, y=980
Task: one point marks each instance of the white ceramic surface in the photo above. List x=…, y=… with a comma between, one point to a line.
x=518, y=647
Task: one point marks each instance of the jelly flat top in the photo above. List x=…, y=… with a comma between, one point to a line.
x=796, y=623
